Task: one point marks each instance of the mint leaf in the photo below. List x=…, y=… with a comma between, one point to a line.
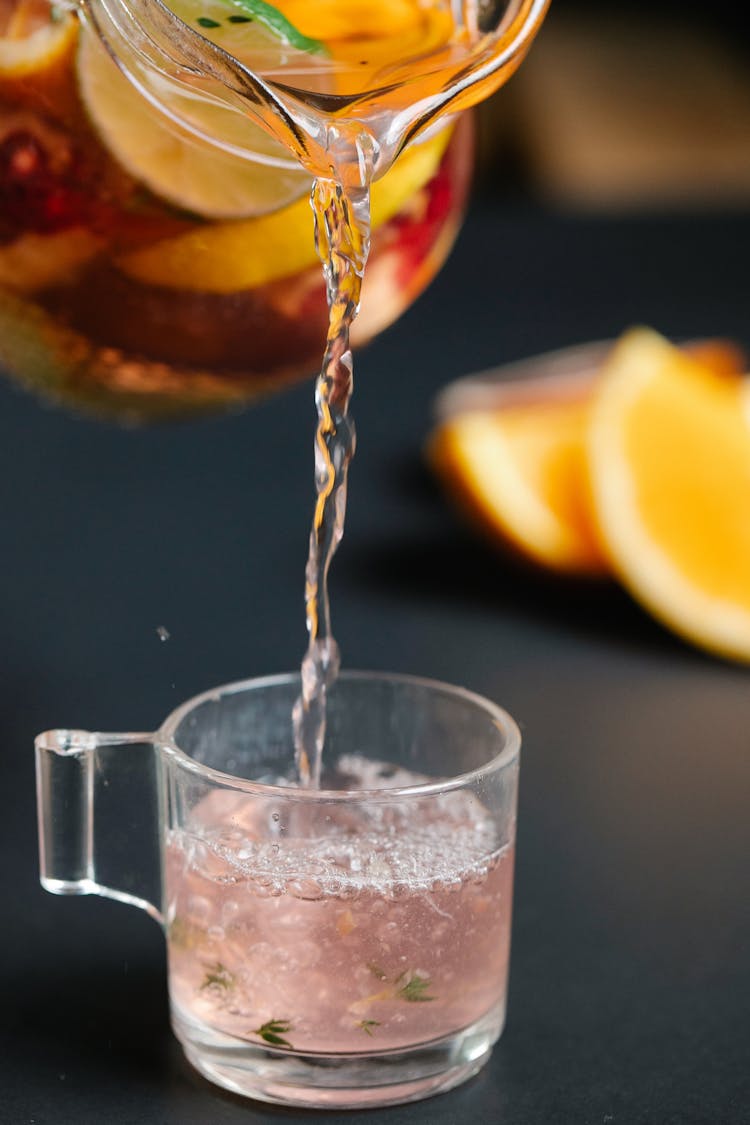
x=277, y=22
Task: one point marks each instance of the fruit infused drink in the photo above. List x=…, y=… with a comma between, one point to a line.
x=390, y=930
x=157, y=256
x=338, y=946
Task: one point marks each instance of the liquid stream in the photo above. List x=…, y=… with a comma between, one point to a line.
x=342, y=235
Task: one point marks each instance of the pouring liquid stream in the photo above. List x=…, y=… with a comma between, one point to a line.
x=301, y=71
x=342, y=236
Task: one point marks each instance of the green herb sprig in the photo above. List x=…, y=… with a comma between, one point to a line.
x=273, y=20
x=218, y=976
x=273, y=1032
x=416, y=988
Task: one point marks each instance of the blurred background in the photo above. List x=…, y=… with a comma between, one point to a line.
x=626, y=106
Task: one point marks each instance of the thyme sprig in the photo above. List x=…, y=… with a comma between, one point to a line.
x=415, y=989
x=273, y=1032
x=218, y=976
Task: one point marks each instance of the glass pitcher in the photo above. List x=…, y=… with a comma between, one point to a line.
x=156, y=245
x=335, y=947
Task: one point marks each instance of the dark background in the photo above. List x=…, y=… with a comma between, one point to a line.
x=630, y=983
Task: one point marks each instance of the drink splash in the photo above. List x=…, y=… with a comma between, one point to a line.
x=342, y=236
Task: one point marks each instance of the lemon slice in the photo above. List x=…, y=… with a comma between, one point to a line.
x=31, y=41
x=227, y=257
x=173, y=163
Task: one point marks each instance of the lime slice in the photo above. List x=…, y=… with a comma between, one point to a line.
x=171, y=161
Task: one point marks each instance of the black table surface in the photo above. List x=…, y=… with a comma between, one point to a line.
x=630, y=978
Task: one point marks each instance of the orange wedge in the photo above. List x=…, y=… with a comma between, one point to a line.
x=521, y=473
x=669, y=455
x=513, y=452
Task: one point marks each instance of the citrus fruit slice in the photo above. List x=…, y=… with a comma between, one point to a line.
x=669, y=453
x=511, y=447
x=32, y=41
x=37, y=261
x=360, y=20
x=379, y=32
x=568, y=373
x=227, y=257
x=521, y=473
x=170, y=159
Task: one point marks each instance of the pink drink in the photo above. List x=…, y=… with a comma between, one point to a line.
x=389, y=930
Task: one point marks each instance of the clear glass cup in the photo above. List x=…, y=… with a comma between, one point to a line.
x=340, y=947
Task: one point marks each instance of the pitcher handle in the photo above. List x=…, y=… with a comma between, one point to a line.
x=99, y=799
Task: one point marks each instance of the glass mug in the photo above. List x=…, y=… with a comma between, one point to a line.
x=339, y=947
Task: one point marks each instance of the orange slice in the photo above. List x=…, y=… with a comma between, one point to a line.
x=512, y=450
x=669, y=452
x=521, y=473
x=31, y=41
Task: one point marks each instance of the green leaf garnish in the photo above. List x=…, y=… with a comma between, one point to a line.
x=206, y=21
x=368, y=1025
x=415, y=989
x=273, y=1032
x=277, y=22
x=218, y=976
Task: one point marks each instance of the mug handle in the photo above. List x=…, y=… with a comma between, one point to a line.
x=99, y=802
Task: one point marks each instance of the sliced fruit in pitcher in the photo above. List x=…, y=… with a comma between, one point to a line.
x=32, y=40
x=172, y=161
x=227, y=257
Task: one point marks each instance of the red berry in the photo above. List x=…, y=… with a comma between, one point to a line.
x=34, y=195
